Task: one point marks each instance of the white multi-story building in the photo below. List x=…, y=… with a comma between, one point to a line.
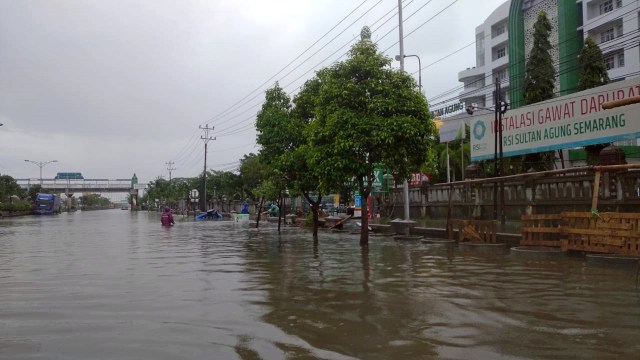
x=492, y=60
x=505, y=38
x=613, y=25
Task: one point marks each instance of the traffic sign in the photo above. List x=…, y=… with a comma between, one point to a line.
x=194, y=194
x=377, y=178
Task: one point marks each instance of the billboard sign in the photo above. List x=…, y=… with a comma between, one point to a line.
x=451, y=130
x=569, y=121
x=418, y=179
x=448, y=110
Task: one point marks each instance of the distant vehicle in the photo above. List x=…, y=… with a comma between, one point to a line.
x=69, y=176
x=47, y=204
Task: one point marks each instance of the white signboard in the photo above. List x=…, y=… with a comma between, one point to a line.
x=451, y=130
x=569, y=121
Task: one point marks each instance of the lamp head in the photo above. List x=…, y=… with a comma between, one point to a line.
x=398, y=58
x=470, y=110
x=504, y=106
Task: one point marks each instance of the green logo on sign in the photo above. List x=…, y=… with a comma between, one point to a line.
x=478, y=130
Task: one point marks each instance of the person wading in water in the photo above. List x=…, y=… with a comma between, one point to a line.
x=167, y=218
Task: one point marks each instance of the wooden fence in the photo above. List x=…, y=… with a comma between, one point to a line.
x=609, y=232
x=475, y=231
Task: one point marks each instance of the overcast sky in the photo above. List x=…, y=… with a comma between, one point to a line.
x=110, y=88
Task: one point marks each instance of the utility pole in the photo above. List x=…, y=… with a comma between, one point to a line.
x=498, y=158
x=464, y=130
x=170, y=168
x=496, y=171
x=405, y=184
x=206, y=138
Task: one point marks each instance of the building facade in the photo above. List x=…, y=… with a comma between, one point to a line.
x=504, y=40
x=613, y=25
x=492, y=60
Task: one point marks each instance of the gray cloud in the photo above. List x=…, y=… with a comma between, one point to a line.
x=109, y=88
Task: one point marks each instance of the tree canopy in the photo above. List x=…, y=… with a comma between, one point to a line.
x=368, y=114
x=593, y=72
x=539, y=85
x=9, y=187
x=540, y=73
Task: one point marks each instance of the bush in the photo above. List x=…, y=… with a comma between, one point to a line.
x=16, y=206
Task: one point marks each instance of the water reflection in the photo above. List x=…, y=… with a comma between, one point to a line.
x=117, y=283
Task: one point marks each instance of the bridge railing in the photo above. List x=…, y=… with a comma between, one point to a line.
x=87, y=184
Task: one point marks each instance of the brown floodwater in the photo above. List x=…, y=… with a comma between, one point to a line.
x=116, y=285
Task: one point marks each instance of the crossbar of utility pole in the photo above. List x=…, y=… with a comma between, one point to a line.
x=170, y=168
x=206, y=138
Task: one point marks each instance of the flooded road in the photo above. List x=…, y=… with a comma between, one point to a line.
x=116, y=285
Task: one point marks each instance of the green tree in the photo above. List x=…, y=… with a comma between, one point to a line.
x=9, y=187
x=303, y=179
x=540, y=74
x=368, y=113
x=158, y=193
x=273, y=125
x=224, y=184
x=539, y=84
x=33, y=190
x=593, y=72
x=94, y=201
x=252, y=173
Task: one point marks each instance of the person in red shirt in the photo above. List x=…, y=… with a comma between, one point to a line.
x=167, y=218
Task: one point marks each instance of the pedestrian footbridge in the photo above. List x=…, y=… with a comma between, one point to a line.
x=70, y=186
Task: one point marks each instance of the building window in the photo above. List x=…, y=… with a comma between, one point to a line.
x=610, y=62
x=606, y=6
x=501, y=53
x=618, y=3
x=621, y=59
x=607, y=35
x=500, y=29
x=501, y=75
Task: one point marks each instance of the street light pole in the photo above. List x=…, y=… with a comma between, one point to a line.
x=405, y=184
x=41, y=164
x=499, y=109
x=419, y=68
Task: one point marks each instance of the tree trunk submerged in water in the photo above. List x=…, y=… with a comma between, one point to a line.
x=364, y=228
x=315, y=207
x=314, y=210
x=259, y=212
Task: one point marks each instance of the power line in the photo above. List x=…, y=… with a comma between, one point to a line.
x=421, y=25
x=458, y=88
x=567, y=59
x=226, y=111
x=312, y=68
x=306, y=60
